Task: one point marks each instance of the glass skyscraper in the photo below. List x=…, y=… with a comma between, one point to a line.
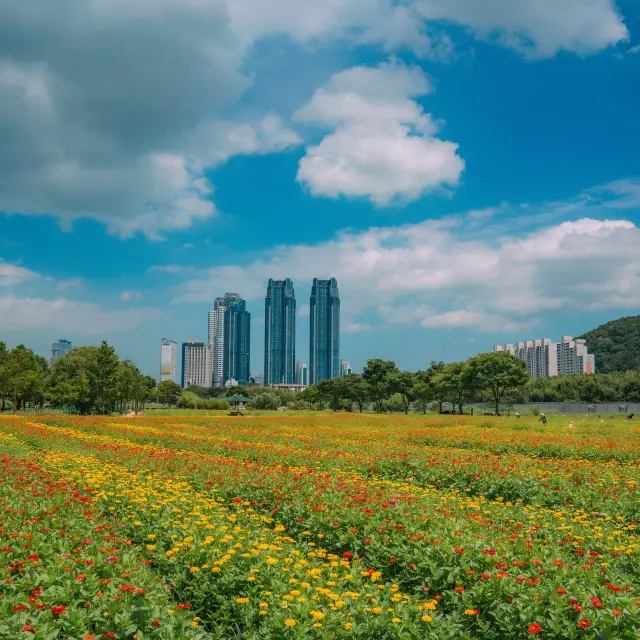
x=280, y=333
x=237, y=340
x=324, y=335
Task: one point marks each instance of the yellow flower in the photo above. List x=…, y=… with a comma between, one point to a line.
x=289, y=623
x=469, y=612
x=395, y=620
x=377, y=610
x=169, y=611
x=317, y=625
x=317, y=615
x=194, y=569
x=426, y=618
x=348, y=625
x=242, y=600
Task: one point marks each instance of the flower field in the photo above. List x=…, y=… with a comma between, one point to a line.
x=318, y=526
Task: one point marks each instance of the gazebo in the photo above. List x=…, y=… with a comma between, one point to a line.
x=236, y=404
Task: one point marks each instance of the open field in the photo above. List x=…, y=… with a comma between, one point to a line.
x=317, y=526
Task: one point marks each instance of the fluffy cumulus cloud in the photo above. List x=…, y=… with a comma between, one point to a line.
x=437, y=274
x=382, y=145
x=99, y=115
x=116, y=112
x=537, y=29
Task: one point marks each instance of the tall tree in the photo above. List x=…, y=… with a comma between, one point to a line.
x=377, y=376
x=455, y=383
x=402, y=383
x=24, y=377
x=4, y=354
x=497, y=373
x=356, y=389
x=104, y=378
x=169, y=392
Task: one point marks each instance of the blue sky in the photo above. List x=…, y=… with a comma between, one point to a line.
x=469, y=171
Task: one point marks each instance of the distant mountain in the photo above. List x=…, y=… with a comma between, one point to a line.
x=616, y=345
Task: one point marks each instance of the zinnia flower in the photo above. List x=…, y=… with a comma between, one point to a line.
x=534, y=628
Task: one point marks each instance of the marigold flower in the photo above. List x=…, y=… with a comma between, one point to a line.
x=290, y=623
x=426, y=618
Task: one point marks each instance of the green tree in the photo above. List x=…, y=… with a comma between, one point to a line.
x=332, y=391
x=312, y=396
x=355, y=389
x=104, y=377
x=69, y=384
x=402, y=383
x=169, y=392
x=265, y=400
x=377, y=376
x=4, y=354
x=496, y=373
x=24, y=376
x=455, y=384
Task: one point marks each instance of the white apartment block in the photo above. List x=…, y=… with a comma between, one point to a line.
x=168, y=360
x=345, y=369
x=196, y=364
x=545, y=358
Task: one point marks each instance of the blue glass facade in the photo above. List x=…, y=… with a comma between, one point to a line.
x=280, y=333
x=324, y=333
x=237, y=341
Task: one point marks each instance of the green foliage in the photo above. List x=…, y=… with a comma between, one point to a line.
x=616, y=345
x=265, y=400
x=22, y=376
x=497, y=373
x=189, y=400
x=377, y=376
x=169, y=392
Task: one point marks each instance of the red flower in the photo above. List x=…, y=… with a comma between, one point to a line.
x=534, y=628
x=596, y=603
x=459, y=550
x=156, y=623
x=578, y=607
x=392, y=560
x=489, y=552
x=28, y=629
x=459, y=589
x=58, y=610
x=367, y=540
x=347, y=554
x=562, y=592
x=80, y=577
x=126, y=587
x=19, y=607
x=88, y=636
x=184, y=606
x=33, y=556
x=616, y=612
x=109, y=634
x=584, y=624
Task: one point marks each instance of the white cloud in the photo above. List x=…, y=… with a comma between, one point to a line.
x=115, y=114
x=11, y=274
x=83, y=318
x=382, y=146
x=71, y=283
x=438, y=274
x=130, y=295
x=537, y=28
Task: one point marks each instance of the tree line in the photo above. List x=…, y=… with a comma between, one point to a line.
x=497, y=379
x=85, y=380
x=94, y=380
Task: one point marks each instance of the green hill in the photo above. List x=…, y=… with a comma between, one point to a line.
x=616, y=345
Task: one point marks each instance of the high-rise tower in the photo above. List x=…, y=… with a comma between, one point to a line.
x=237, y=340
x=216, y=337
x=324, y=334
x=280, y=333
